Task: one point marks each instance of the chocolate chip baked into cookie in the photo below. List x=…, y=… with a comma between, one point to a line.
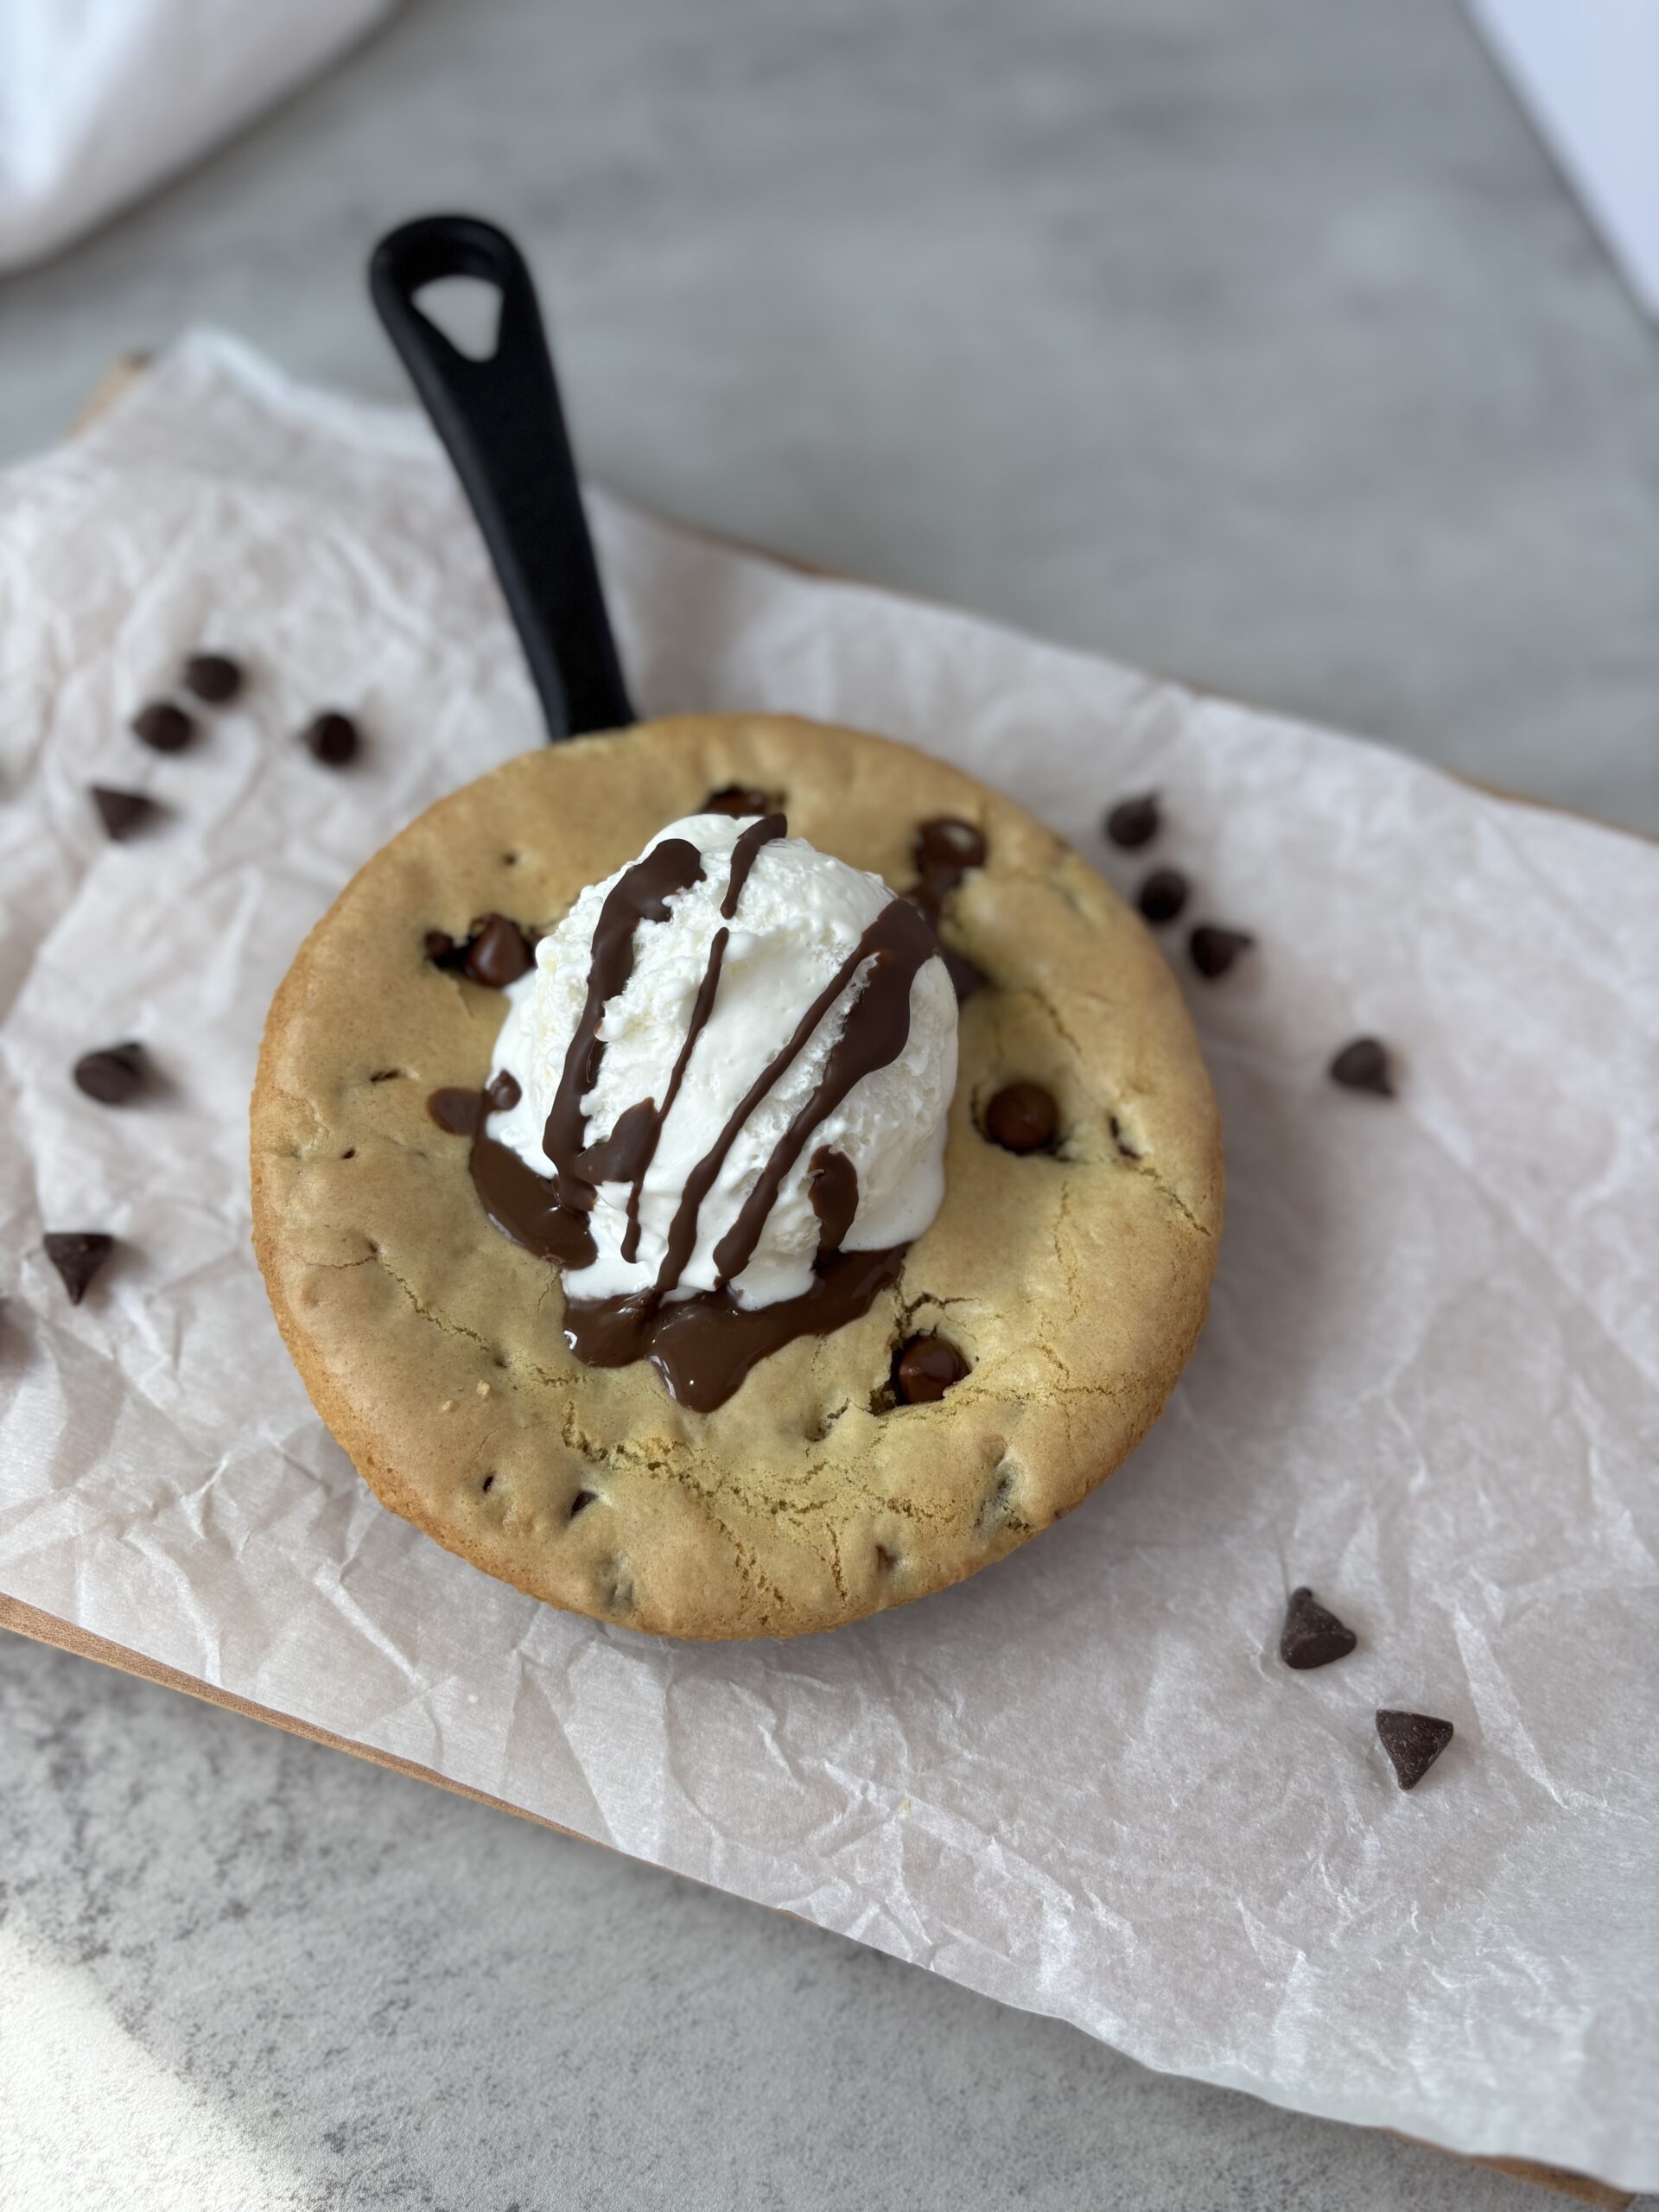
x=732, y=1176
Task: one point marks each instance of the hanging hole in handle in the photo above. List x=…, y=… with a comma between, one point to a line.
x=467, y=310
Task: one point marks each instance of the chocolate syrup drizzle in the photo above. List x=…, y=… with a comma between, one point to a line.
x=703, y=1344
x=640, y=894
x=832, y=1188
x=744, y=855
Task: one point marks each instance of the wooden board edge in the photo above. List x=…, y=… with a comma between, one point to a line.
x=1583, y=2188
x=46, y=1628
x=123, y=373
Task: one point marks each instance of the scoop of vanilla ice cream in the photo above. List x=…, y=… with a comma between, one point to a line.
x=800, y=915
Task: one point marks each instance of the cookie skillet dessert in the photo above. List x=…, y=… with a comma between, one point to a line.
x=733, y=1177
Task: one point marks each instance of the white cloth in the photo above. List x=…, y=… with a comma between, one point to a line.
x=99, y=99
x=1082, y=1782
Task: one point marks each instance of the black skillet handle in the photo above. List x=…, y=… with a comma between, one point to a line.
x=501, y=422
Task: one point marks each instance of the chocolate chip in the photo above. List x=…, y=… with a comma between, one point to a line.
x=488, y=1483
x=1133, y=821
x=965, y=978
x=1413, y=1741
x=114, y=1075
x=498, y=954
x=944, y=851
x=212, y=677
x=924, y=1370
x=1022, y=1117
x=1363, y=1066
x=332, y=739
x=502, y=1093
x=1163, y=894
x=122, y=812
x=1214, y=950
x=1310, y=1637
x=945, y=842
x=162, y=727
x=1122, y=1143
x=77, y=1255
x=738, y=800
x=455, y=1110
x=581, y=1501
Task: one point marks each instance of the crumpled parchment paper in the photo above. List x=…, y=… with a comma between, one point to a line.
x=1081, y=1783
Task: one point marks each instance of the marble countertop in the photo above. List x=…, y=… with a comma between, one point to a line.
x=1260, y=346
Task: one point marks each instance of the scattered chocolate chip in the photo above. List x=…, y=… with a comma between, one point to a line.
x=498, y=954
x=924, y=1368
x=1363, y=1066
x=332, y=739
x=122, y=812
x=738, y=800
x=1163, y=894
x=1413, y=1741
x=438, y=945
x=1133, y=821
x=114, y=1075
x=1310, y=1637
x=965, y=978
x=581, y=1501
x=488, y=1483
x=501, y=1093
x=1118, y=1138
x=77, y=1255
x=1214, y=950
x=212, y=677
x=162, y=727
x=1022, y=1117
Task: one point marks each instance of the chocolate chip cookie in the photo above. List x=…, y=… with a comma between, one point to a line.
x=1022, y=1345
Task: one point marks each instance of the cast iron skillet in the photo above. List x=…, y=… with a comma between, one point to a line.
x=501, y=422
